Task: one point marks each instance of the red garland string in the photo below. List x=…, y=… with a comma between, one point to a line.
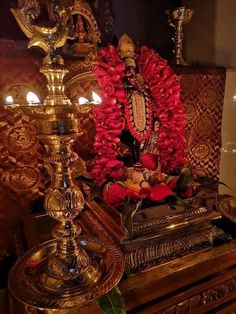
x=109, y=120
x=108, y=117
x=165, y=91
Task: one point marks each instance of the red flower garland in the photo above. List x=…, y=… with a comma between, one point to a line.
x=165, y=90
x=109, y=118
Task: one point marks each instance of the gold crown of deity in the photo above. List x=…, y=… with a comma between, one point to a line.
x=126, y=48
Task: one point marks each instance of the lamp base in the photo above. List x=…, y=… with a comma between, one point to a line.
x=31, y=284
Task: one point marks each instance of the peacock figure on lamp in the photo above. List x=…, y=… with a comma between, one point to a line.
x=70, y=270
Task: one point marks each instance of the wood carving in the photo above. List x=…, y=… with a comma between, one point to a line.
x=90, y=219
x=205, y=300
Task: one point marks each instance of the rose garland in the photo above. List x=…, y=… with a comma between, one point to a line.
x=109, y=120
x=108, y=117
x=165, y=90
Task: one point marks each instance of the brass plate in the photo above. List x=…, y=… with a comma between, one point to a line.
x=30, y=284
x=227, y=207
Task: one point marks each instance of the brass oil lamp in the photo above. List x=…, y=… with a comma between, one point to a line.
x=177, y=18
x=71, y=270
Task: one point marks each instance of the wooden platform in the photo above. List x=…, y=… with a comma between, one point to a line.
x=197, y=283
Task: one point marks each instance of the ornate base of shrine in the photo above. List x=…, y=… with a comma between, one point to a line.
x=148, y=252
x=158, y=234
x=194, y=283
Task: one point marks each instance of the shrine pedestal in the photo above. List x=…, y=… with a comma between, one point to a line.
x=157, y=234
x=203, y=282
x=199, y=282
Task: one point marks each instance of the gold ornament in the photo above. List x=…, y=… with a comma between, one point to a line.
x=127, y=50
x=177, y=18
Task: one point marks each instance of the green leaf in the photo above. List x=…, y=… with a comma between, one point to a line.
x=185, y=180
x=169, y=178
x=206, y=181
x=129, y=210
x=173, y=201
x=112, y=302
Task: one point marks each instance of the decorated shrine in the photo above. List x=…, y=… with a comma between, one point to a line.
x=111, y=166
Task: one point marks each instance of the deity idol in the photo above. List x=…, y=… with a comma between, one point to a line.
x=139, y=137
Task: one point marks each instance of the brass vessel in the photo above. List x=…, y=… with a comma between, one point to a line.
x=71, y=270
x=177, y=18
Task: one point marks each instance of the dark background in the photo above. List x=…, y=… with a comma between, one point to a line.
x=144, y=20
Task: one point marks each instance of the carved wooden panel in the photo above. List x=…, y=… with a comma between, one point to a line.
x=205, y=300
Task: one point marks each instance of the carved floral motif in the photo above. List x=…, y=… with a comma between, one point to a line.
x=204, y=300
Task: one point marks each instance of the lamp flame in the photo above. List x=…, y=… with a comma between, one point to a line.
x=96, y=99
x=83, y=101
x=9, y=100
x=32, y=98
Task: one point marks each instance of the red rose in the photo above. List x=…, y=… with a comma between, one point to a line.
x=160, y=192
x=114, y=194
x=109, y=88
x=150, y=160
x=120, y=67
x=100, y=71
x=117, y=173
x=114, y=163
x=144, y=193
x=104, y=80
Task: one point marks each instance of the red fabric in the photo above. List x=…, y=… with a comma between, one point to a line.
x=202, y=90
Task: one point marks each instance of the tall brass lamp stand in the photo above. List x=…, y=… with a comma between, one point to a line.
x=71, y=270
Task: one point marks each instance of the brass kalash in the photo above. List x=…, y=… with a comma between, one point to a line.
x=71, y=270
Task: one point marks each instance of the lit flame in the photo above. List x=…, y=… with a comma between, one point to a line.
x=9, y=100
x=32, y=98
x=83, y=101
x=96, y=99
